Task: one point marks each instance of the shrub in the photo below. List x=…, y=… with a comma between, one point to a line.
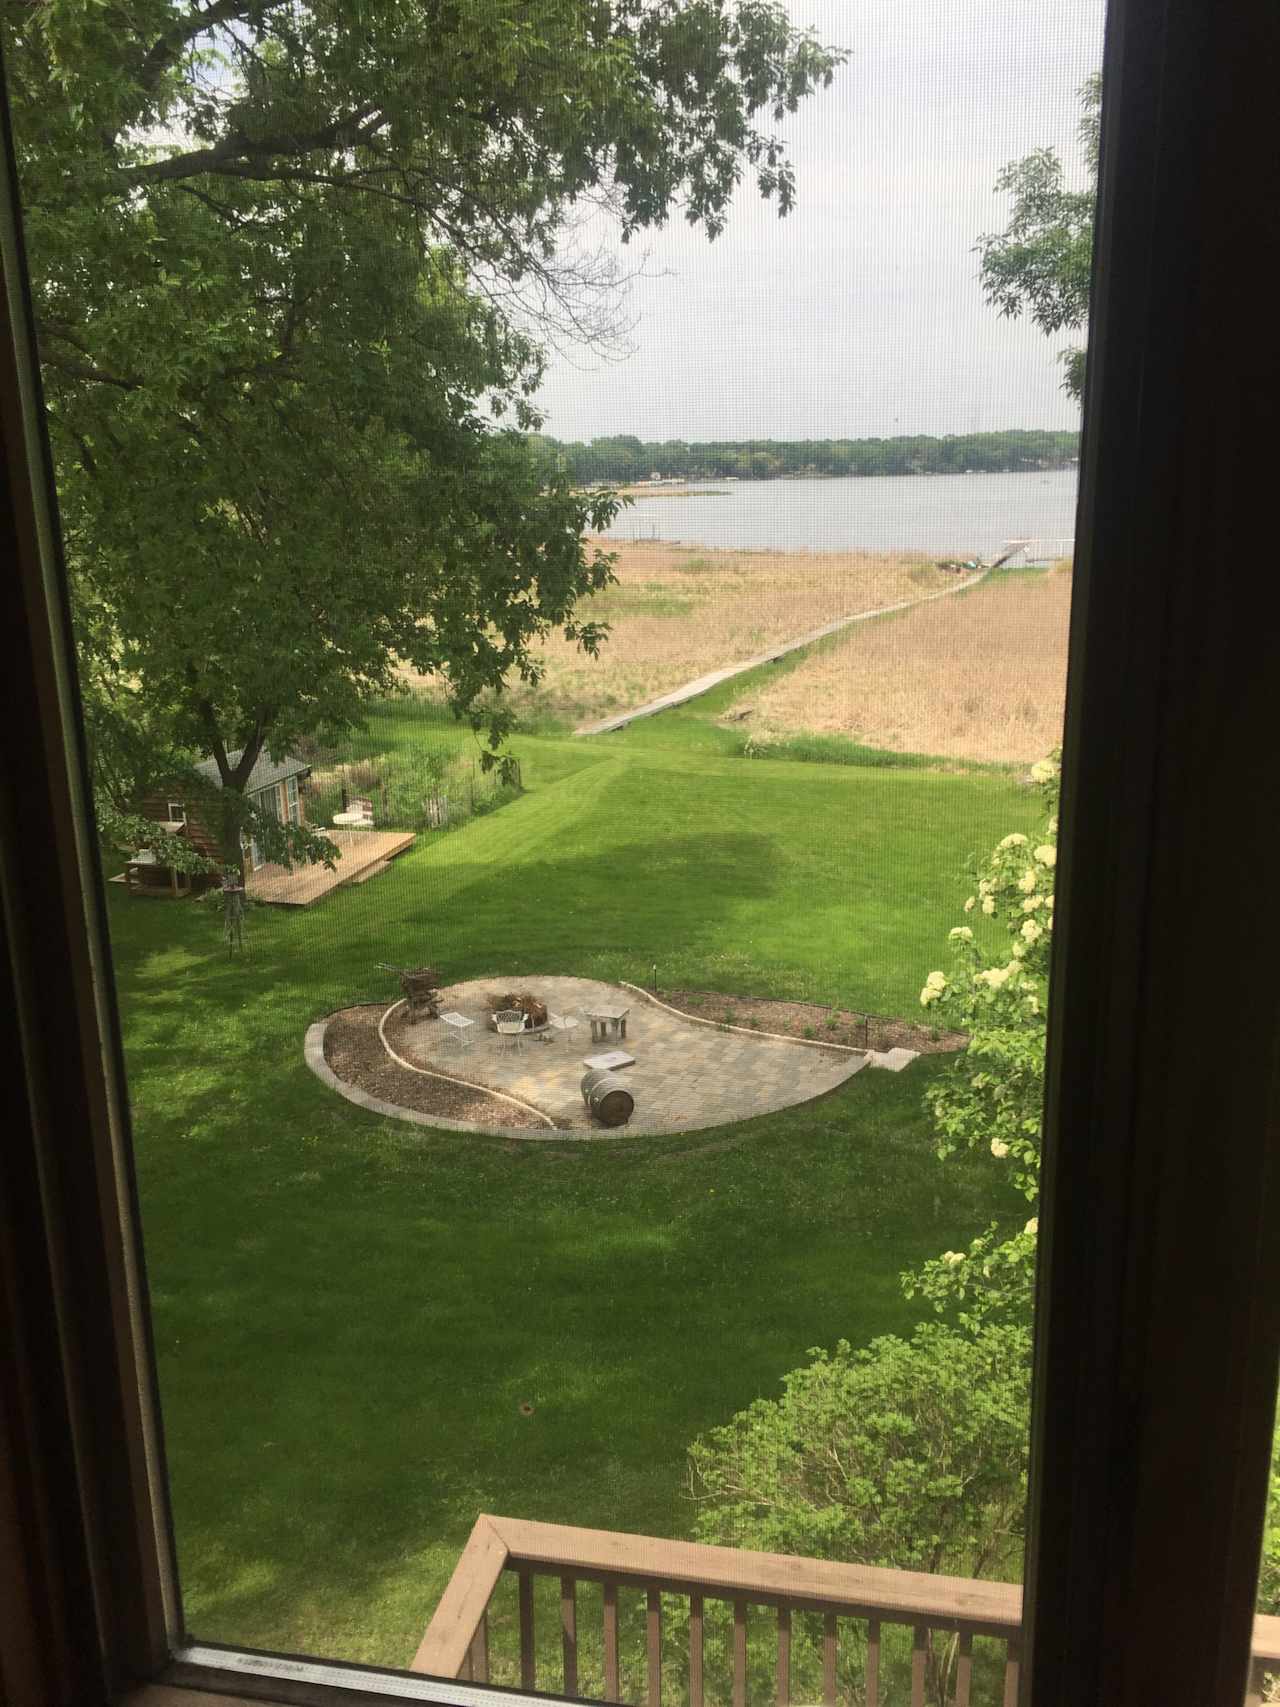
x=992, y=1097
x=909, y=1454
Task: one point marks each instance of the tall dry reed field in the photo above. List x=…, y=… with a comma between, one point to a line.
x=679, y=611
x=978, y=676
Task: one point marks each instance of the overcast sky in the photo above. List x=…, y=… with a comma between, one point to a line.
x=860, y=313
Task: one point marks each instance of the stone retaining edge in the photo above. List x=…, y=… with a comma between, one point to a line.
x=449, y=1078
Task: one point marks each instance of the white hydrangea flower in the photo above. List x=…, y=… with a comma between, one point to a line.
x=999, y=1149
x=1016, y=840
x=971, y=903
x=988, y=905
x=927, y=996
x=1044, y=770
x=1032, y=1226
x=1046, y=855
x=1027, y=882
x=960, y=933
x=1032, y=902
x=936, y=981
x=1053, y=825
x=952, y=1258
x=1031, y=930
x=985, y=886
x=1019, y=946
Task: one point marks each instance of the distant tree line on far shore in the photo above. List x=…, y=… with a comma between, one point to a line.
x=622, y=460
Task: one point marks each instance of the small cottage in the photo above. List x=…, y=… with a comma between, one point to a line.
x=274, y=787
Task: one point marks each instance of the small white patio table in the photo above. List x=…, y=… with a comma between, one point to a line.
x=607, y=1022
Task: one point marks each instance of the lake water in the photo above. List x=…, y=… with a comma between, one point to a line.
x=961, y=515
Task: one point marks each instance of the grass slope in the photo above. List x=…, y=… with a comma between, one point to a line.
x=349, y=1312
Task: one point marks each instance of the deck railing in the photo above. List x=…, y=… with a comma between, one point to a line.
x=456, y=1643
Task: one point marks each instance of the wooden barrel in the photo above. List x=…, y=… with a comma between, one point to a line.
x=607, y=1098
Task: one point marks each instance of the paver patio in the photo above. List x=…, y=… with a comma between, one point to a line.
x=686, y=1074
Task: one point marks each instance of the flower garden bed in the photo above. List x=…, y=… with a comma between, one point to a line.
x=810, y=1020
x=356, y=1055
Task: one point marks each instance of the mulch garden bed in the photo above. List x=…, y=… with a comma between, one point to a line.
x=807, y=1019
x=355, y=1053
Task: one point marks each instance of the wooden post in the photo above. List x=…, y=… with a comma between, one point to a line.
x=919, y=1655
x=829, y=1659
x=739, y=1653
x=528, y=1658
x=653, y=1632
x=478, y=1654
x=612, y=1691
x=964, y=1669
x=695, y=1650
x=569, y=1633
x=783, y=1690
x=873, y=1663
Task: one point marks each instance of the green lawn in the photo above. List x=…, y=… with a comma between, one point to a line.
x=349, y=1312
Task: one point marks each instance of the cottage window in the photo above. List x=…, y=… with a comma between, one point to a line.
x=294, y=800
x=176, y=812
x=1159, y=1323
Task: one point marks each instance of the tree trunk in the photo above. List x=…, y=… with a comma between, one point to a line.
x=231, y=846
x=233, y=781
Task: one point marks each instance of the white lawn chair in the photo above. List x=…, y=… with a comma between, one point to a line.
x=510, y=1024
x=459, y=1029
x=566, y=1023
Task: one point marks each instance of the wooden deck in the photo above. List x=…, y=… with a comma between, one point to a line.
x=365, y=853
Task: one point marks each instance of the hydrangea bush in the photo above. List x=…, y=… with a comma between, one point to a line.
x=992, y=1097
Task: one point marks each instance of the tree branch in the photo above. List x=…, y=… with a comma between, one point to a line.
x=345, y=132
x=89, y=371
x=167, y=47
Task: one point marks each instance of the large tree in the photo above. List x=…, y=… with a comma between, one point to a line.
x=291, y=263
x=1042, y=262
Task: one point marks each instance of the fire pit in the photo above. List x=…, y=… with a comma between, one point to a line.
x=534, y=1010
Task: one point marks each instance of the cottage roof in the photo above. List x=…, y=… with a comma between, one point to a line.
x=265, y=773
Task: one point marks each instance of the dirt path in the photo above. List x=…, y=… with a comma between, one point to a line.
x=703, y=684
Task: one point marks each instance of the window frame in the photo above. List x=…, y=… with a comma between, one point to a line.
x=178, y=817
x=1148, y=1490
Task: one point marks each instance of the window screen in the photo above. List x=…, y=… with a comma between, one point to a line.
x=577, y=499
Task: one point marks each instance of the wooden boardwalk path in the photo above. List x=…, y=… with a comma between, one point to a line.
x=703, y=684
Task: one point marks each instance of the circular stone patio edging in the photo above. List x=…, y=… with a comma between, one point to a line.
x=313, y=1050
